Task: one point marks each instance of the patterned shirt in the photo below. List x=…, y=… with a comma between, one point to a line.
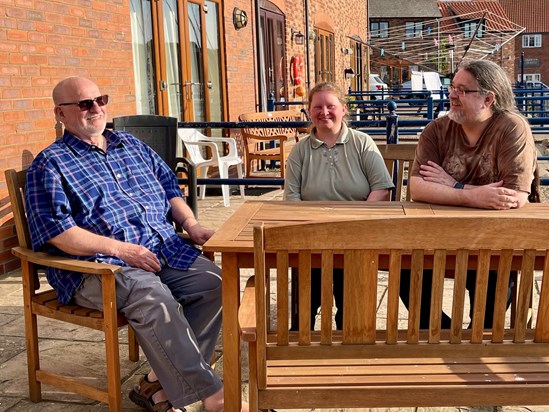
x=122, y=194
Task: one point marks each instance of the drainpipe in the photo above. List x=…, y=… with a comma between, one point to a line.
x=308, y=58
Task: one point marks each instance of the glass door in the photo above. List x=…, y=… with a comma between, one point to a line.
x=273, y=27
x=178, y=57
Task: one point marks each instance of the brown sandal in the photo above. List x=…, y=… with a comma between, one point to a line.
x=142, y=395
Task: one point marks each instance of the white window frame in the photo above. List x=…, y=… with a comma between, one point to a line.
x=530, y=77
x=470, y=27
x=414, y=29
x=379, y=29
x=531, y=40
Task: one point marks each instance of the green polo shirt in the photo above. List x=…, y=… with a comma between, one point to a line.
x=348, y=171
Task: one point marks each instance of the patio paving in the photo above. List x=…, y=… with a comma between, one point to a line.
x=82, y=351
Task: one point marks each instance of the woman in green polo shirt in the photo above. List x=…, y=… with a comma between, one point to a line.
x=334, y=162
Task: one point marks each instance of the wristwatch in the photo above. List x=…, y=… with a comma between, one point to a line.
x=458, y=185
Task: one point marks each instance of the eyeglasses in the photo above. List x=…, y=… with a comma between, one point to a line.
x=461, y=91
x=87, y=104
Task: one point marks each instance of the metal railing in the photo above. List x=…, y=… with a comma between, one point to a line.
x=391, y=127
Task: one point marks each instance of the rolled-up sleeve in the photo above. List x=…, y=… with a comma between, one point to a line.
x=48, y=208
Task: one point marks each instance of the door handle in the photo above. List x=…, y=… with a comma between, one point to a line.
x=189, y=90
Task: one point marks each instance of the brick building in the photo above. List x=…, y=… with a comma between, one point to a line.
x=533, y=15
x=399, y=32
x=182, y=59
x=433, y=35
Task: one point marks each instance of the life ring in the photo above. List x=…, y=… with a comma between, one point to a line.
x=296, y=69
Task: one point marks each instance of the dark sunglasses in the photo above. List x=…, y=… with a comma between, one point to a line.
x=87, y=104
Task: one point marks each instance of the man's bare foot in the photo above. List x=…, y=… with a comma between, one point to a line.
x=215, y=403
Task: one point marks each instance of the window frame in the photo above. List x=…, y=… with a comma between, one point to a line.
x=382, y=30
x=413, y=29
x=527, y=38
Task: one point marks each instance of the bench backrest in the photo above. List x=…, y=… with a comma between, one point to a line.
x=276, y=116
x=366, y=247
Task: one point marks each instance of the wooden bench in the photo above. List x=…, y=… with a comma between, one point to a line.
x=381, y=358
x=255, y=139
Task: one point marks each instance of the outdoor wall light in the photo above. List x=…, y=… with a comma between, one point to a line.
x=297, y=37
x=240, y=18
x=349, y=73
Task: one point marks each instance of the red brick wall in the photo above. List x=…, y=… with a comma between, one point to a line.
x=42, y=42
x=539, y=53
x=345, y=17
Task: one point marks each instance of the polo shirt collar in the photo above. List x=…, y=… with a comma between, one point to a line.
x=341, y=139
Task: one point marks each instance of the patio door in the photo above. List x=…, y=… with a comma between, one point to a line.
x=273, y=28
x=178, y=59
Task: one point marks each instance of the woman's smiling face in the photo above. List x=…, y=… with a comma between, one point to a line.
x=327, y=111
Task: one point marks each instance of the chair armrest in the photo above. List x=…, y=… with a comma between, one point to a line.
x=213, y=147
x=231, y=143
x=65, y=263
x=246, y=312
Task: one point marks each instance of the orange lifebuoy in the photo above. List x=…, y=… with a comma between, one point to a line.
x=296, y=69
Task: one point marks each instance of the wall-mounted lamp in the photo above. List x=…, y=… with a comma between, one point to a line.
x=346, y=50
x=349, y=73
x=240, y=18
x=297, y=37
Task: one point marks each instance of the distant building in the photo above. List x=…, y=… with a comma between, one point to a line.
x=399, y=32
x=531, y=58
x=432, y=35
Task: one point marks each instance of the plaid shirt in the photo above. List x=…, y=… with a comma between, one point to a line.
x=122, y=193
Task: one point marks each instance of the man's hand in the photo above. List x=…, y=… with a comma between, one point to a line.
x=495, y=196
x=138, y=256
x=431, y=172
x=199, y=234
x=79, y=242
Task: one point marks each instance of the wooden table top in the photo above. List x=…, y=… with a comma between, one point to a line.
x=236, y=234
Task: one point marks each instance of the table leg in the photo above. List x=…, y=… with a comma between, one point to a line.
x=232, y=374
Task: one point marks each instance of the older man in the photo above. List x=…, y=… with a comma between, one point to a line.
x=105, y=196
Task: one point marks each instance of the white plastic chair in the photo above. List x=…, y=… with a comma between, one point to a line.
x=195, y=141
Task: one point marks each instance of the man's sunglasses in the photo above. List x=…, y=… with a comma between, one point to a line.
x=87, y=104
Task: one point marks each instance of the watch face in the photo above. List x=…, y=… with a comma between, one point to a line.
x=458, y=185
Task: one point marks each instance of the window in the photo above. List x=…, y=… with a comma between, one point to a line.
x=379, y=29
x=531, y=40
x=470, y=27
x=530, y=78
x=414, y=29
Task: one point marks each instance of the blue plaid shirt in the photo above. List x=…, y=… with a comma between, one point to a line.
x=122, y=193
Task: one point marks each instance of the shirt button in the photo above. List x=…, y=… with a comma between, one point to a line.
x=118, y=175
